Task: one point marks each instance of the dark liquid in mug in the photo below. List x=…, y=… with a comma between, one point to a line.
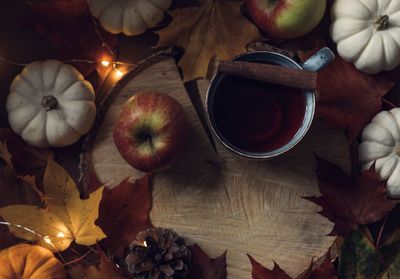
x=257, y=116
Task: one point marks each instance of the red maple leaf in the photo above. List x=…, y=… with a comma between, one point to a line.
x=205, y=268
x=349, y=98
x=260, y=272
x=350, y=201
x=123, y=213
x=69, y=26
x=323, y=270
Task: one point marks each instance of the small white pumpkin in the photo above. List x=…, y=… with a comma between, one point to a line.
x=50, y=104
x=131, y=17
x=381, y=145
x=367, y=33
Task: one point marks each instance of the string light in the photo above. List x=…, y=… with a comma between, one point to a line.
x=118, y=73
x=45, y=238
x=105, y=63
x=106, y=60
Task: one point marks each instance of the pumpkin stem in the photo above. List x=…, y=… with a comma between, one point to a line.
x=49, y=102
x=397, y=151
x=381, y=22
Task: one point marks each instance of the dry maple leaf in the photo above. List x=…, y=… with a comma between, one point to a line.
x=205, y=268
x=260, y=272
x=348, y=97
x=350, y=202
x=68, y=25
x=124, y=212
x=324, y=270
x=66, y=218
x=214, y=29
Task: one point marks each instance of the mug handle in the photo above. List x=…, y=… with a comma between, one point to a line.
x=319, y=60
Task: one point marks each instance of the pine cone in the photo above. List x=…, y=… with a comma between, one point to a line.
x=158, y=254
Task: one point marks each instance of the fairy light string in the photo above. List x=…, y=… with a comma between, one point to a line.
x=47, y=240
x=107, y=60
x=106, y=63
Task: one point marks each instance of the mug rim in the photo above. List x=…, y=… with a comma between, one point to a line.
x=301, y=132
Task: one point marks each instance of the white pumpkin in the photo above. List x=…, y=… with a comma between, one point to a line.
x=50, y=104
x=367, y=33
x=131, y=17
x=381, y=145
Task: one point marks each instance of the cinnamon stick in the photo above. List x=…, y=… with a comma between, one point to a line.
x=270, y=73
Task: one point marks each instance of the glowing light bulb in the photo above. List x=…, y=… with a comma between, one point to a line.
x=60, y=235
x=105, y=63
x=47, y=240
x=118, y=73
x=145, y=244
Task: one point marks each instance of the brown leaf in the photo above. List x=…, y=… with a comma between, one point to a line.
x=18, y=184
x=124, y=212
x=350, y=201
x=14, y=190
x=260, y=272
x=205, y=268
x=69, y=26
x=25, y=159
x=324, y=270
x=106, y=269
x=348, y=97
x=214, y=29
x=30, y=181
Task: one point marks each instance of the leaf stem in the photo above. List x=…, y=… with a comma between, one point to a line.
x=387, y=102
x=381, y=230
x=77, y=260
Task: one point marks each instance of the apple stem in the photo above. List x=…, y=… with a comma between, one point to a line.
x=150, y=141
x=381, y=22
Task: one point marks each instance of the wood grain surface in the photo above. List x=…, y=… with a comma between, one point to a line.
x=224, y=202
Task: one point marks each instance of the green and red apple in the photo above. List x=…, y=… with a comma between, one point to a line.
x=150, y=131
x=286, y=19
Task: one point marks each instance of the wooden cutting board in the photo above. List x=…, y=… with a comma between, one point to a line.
x=224, y=202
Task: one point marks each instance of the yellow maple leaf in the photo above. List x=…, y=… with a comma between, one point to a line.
x=66, y=218
x=216, y=29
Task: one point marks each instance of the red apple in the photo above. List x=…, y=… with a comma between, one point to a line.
x=286, y=19
x=150, y=131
